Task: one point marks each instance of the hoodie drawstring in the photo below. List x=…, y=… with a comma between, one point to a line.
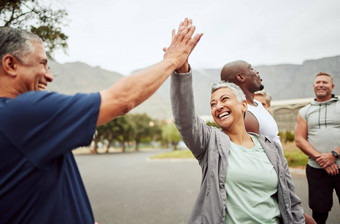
x=325, y=115
x=319, y=115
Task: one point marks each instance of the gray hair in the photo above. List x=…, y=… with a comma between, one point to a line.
x=233, y=87
x=16, y=42
x=265, y=94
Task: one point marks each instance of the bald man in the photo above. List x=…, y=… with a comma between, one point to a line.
x=258, y=119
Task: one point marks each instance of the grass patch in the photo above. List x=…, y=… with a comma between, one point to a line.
x=294, y=156
x=177, y=154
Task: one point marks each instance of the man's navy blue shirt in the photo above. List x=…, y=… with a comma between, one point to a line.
x=39, y=178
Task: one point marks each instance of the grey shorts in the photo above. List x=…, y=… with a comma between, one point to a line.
x=320, y=189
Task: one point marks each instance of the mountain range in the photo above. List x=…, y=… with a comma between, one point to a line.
x=282, y=82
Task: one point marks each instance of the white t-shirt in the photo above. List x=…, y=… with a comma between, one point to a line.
x=267, y=124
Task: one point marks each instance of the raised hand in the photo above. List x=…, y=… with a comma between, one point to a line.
x=182, y=45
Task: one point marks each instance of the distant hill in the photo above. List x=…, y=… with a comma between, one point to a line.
x=295, y=81
x=78, y=77
x=283, y=81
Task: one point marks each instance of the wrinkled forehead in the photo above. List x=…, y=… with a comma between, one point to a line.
x=323, y=78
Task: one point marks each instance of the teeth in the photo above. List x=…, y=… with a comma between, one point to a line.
x=224, y=114
x=41, y=86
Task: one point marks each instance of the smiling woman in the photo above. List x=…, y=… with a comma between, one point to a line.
x=228, y=105
x=245, y=176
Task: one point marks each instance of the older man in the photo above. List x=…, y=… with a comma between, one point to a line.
x=263, y=97
x=317, y=134
x=39, y=178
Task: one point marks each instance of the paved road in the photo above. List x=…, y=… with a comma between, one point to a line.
x=127, y=189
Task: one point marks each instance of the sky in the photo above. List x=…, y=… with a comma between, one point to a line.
x=126, y=35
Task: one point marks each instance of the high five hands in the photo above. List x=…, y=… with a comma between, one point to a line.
x=182, y=44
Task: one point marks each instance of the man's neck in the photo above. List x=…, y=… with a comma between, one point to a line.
x=8, y=92
x=250, y=101
x=249, y=96
x=323, y=99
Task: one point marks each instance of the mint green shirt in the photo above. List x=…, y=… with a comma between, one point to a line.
x=251, y=184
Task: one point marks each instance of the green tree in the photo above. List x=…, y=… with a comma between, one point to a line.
x=142, y=128
x=39, y=18
x=110, y=130
x=123, y=130
x=171, y=134
x=98, y=137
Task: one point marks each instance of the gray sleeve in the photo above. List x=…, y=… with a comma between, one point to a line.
x=194, y=131
x=295, y=202
x=303, y=112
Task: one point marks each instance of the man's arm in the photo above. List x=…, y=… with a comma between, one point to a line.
x=251, y=123
x=301, y=142
x=132, y=90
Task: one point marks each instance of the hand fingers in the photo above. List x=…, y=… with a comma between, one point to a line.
x=321, y=164
x=182, y=43
x=180, y=25
x=184, y=28
x=182, y=31
x=193, y=42
x=332, y=170
x=329, y=171
x=183, y=23
x=190, y=33
x=336, y=169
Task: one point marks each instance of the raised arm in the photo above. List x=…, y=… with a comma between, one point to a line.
x=132, y=90
x=193, y=130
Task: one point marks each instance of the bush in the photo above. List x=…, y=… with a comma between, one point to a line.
x=296, y=158
x=289, y=137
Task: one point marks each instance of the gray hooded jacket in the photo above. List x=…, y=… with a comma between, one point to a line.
x=323, y=122
x=210, y=146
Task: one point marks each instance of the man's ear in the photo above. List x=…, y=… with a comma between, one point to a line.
x=10, y=65
x=240, y=77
